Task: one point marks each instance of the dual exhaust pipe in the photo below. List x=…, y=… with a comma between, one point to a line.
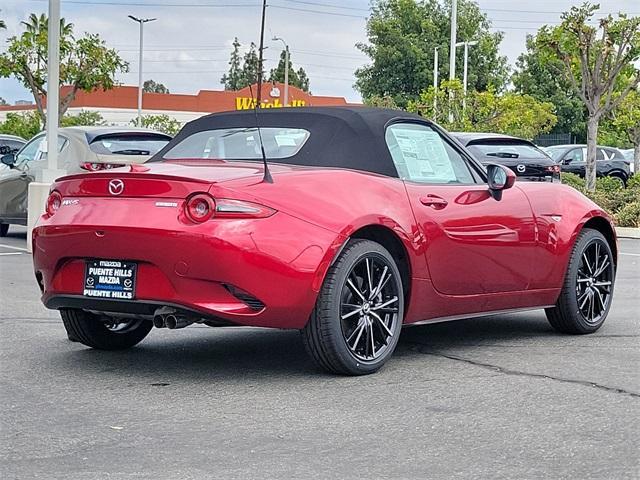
x=169, y=318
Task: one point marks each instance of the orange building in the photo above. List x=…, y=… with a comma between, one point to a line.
x=120, y=105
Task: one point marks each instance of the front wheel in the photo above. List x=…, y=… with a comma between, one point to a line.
x=356, y=323
x=92, y=331
x=586, y=296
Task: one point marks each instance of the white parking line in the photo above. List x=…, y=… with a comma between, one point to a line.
x=10, y=247
x=630, y=254
x=12, y=253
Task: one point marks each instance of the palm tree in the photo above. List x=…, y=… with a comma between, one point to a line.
x=2, y=24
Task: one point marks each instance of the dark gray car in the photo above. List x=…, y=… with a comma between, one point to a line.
x=610, y=162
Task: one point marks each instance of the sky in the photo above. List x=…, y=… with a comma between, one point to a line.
x=187, y=48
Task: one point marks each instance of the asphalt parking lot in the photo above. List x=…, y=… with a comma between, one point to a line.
x=499, y=397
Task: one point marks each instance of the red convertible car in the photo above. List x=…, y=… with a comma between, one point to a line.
x=366, y=220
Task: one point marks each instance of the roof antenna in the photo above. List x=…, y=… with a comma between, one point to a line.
x=267, y=175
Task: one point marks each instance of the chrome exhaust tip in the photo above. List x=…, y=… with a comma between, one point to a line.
x=177, y=321
x=159, y=321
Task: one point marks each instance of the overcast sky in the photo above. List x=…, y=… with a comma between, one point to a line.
x=187, y=48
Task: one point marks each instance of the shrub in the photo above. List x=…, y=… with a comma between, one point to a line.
x=573, y=180
x=634, y=182
x=629, y=215
x=608, y=184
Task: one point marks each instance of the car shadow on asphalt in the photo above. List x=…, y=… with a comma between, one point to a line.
x=203, y=354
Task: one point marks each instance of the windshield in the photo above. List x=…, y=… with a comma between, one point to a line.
x=240, y=144
x=128, y=144
x=506, y=149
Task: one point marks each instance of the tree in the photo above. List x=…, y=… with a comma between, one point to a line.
x=233, y=79
x=163, y=123
x=86, y=63
x=250, y=67
x=3, y=25
x=541, y=77
x=624, y=123
x=598, y=62
x=85, y=118
x=150, y=86
x=25, y=125
x=297, y=78
x=509, y=113
x=3, y=102
x=402, y=37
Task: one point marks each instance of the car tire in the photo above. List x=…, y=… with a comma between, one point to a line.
x=345, y=337
x=619, y=178
x=586, y=295
x=4, y=229
x=90, y=330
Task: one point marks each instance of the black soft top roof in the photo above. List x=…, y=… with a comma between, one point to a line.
x=347, y=137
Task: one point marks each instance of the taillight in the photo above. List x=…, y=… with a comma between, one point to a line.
x=227, y=208
x=96, y=167
x=554, y=169
x=53, y=202
x=200, y=207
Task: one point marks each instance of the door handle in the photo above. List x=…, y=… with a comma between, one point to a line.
x=433, y=201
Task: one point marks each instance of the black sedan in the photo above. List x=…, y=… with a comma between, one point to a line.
x=610, y=162
x=523, y=157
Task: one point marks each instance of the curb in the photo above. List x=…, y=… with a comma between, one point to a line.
x=628, y=232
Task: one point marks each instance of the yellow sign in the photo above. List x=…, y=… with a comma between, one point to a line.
x=248, y=103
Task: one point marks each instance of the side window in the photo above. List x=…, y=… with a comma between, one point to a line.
x=601, y=154
x=421, y=155
x=574, y=155
x=34, y=150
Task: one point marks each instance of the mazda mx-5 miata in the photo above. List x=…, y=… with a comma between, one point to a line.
x=366, y=220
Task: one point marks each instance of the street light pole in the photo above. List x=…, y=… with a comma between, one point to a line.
x=141, y=21
x=53, y=90
x=286, y=70
x=435, y=80
x=452, y=49
x=465, y=71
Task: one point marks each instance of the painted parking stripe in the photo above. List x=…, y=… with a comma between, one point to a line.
x=11, y=247
x=630, y=254
x=12, y=253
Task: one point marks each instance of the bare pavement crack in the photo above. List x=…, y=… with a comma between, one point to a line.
x=420, y=348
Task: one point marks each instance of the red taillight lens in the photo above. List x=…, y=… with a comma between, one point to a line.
x=200, y=207
x=554, y=169
x=53, y=202
x=227, y=208
x=96, y=167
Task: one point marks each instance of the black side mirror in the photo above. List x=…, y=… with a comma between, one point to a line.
x=9, y=160
x=499, y=178
x=566, y=161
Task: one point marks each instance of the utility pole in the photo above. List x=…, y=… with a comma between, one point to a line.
x=141, y=21
x=465, y=71
x=452, y=49
x=286, y=70
x=435, y=80
x=53, y=90
x=264, y=12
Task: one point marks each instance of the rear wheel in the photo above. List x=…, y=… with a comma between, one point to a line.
x=586, y=296
x=92, y=331
x=4, y=228
x=619, y=178
x=356, y=323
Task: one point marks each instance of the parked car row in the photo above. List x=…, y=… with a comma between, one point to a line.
x=80, y=149
x=610, y=162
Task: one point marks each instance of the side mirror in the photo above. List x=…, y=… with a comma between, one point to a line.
x=4, y=149
x=566, y=161
x=9, y=160
x=499, y=178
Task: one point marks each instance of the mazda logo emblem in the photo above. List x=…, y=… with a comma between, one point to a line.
x=521, y=168
x=116, y=186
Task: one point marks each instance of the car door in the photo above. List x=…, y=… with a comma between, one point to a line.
x=475, y=244
x=14, y=183
x=574, y=161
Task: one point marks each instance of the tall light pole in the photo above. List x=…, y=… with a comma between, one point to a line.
x=435, y=80
x=286, y=70
x=53, y=90
x=141, y=21
x=466, y=63
x=452, y=49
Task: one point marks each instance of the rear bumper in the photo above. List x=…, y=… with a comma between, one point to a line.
x=264, y=272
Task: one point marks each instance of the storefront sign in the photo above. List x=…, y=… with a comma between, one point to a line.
x=247, y=103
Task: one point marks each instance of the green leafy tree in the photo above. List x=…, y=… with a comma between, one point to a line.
x=297, y=78
x=381, y=102
x=85, y=118
x=233, y=79
x=598, y=62
x=623, y=126
x=163, y=123
x=541, y=77
x=3, y=25
x=509, y=113
x=402, y=37
x=85, y=63
x=151, y=86
x=250, y=67
x=25, y=124
x=3, y=102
